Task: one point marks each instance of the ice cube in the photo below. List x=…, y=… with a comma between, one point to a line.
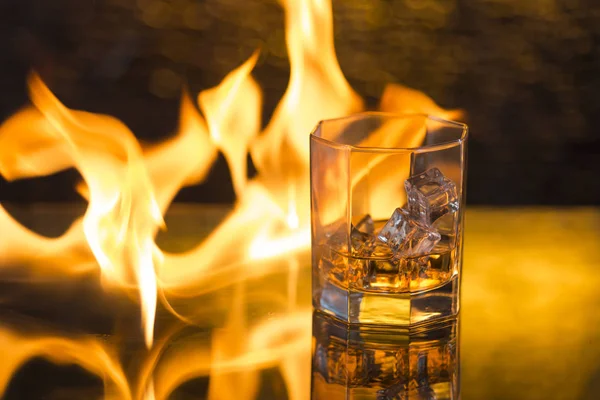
x=431, y=195
x=367, y=245
x=420, y=239
x=380, y=251
x=395, y=230
x=408, y=236
x=367, y=264
x=362, y=243
x=365, y=224
x=362, y=237
x=447, y=226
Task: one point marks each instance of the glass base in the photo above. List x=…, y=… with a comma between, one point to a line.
x=399, y=309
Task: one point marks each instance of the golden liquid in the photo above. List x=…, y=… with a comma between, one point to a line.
x=391, y=275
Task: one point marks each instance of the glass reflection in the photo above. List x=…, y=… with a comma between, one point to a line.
x=350, y=362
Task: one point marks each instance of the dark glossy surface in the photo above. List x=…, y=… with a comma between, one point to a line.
x=529, y=323
x=530, y=319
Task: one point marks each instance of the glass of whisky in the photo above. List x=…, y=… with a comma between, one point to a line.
x=387, y=206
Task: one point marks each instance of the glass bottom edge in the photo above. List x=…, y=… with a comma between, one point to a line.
x=389, y=309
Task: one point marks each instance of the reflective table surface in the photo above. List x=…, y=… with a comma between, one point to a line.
x=530, y=318
x=529, y=326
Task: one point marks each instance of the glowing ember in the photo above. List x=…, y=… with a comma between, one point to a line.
x=129, y=188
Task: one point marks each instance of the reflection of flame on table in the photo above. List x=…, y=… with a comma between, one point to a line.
x=130, y=187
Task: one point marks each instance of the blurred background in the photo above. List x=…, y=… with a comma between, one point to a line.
x=527, y=73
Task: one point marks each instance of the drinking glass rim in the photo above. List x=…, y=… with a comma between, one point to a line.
x=418, y=149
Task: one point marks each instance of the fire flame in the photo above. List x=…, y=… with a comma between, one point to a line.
x=129, y=188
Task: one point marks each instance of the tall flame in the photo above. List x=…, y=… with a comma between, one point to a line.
x=120, y=221
x=232, y=111
x=253, y=259
x=317, y=88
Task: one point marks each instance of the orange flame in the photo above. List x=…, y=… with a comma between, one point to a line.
x=184, y=160
x=256, y=257
x=120, y=221
x=317, y=90
x=232, y=111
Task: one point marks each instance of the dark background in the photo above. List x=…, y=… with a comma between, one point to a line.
x=526, y=72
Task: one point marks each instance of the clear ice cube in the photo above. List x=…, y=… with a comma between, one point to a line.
x=362, y=236
x=362, y=243
x=395, y=230
x=447, y=226
x=408, y=236
x=373, y=264
x=431, y=195
x=365, y=224
x=421, y=239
